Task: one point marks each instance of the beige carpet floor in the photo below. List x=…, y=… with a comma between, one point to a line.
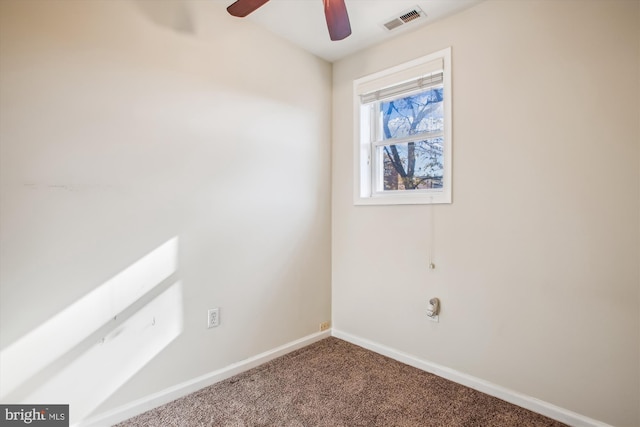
x=333, y=383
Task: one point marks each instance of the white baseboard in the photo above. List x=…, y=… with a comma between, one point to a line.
x=165, y=396
x=519, y=399
x=137, y=407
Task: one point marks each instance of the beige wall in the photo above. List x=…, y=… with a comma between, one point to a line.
x=537, y=257
x=128, y=124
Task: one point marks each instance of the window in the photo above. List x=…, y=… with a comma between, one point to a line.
x=403, y=133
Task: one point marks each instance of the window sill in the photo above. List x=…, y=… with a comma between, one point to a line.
x=403, y=199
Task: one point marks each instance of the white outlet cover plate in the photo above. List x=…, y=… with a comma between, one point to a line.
x=213, y=317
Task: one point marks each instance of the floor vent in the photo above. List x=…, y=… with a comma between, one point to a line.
x=404, y=18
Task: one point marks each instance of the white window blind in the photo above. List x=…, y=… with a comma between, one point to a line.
x=412, y=79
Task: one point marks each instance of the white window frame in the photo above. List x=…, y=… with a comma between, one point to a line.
x=365, y=172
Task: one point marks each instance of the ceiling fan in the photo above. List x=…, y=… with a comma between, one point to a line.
x=335, y=12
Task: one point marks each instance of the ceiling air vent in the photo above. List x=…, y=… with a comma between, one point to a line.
x=404, y=18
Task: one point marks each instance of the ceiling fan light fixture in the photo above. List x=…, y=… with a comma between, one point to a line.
x=335, y=13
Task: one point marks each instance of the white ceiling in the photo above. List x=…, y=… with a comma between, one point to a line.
x=303, y=22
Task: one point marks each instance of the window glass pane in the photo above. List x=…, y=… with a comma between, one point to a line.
x=412, y=166
x=411, y=115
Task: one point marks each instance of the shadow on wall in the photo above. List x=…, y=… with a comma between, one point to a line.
x=174, y=15
x=86, y=352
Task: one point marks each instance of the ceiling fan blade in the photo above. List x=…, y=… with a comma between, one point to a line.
x=337, y=19
x=242, y=8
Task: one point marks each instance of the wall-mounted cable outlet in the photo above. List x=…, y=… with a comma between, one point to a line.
x=324, y=326
x=433, y=309
x=213, y=317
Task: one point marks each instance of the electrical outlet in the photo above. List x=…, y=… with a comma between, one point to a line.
x=213, y=317
x=324, y=326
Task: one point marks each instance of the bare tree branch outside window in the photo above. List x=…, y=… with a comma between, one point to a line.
x=417, y=164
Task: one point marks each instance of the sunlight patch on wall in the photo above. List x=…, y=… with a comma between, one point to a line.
x=94, y=376
x=25, y=358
